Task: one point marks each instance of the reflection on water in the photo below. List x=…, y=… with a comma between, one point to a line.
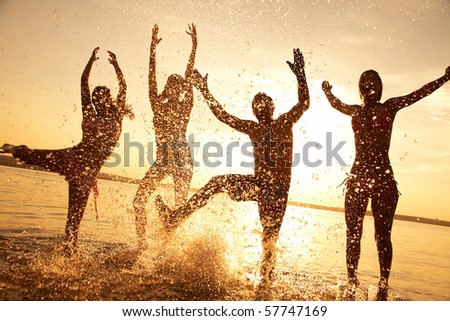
x=213, y=256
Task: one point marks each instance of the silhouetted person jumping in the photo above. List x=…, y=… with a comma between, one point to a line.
x=80, y=164
x=371, y=175
x=171, y=114
x=272, y=141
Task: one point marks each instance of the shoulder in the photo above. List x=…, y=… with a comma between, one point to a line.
x=388, y=107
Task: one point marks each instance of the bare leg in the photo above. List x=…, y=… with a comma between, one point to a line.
x=355, y=209
x=146, y=187
x=58, y=160
x=271, y=214
x=172, y=219
x=78, y=198
x=182, y=181
x=233, y=184
x=384, y=204
x=18, y=151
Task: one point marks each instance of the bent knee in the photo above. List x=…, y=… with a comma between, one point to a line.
x=218, y=180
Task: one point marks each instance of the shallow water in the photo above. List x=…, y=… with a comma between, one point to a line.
x=213, y=256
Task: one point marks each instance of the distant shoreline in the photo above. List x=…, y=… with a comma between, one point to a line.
x=7, y=160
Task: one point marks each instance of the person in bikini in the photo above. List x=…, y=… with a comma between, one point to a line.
x=371, y=175
x=171, y=113
x=80, y=164
x=272, y=141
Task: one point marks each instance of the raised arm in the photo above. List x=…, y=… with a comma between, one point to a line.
x=152, y=86
x=121, y=95
x=335, y=102
x=85, y=91
x=190, y=66
x=298, y=68
x=407, y=100
x=201, y=83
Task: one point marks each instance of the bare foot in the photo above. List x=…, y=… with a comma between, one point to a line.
x=382, y=293
x=7, y=148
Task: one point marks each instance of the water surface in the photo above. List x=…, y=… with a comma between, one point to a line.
x=212, y=256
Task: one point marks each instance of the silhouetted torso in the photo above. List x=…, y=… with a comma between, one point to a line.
x=170, y=119
x=100, y=136
x=272, y=151
x=372, y=127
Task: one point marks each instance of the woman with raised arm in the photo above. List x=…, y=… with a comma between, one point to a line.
x=80, y=164
x=272, y=141
x=171, y=113
x=371, y=175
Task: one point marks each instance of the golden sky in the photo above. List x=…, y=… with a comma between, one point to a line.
x=243, y=45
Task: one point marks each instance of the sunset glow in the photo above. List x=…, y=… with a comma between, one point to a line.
x=243, y=46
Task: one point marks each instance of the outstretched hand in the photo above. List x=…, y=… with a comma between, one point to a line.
x=200, y=82
x=326, y=87
x=94, y=54
x=298, y=67
x=129, y=111
x=155, y=39
x=112, y=57
x=192, y=32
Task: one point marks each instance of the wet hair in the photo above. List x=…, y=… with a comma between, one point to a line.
x=101, y=95
x=262, y=106
x=370, y=75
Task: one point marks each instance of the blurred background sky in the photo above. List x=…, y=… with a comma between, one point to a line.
x=243, y=45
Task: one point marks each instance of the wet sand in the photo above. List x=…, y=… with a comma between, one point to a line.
x=34, y=269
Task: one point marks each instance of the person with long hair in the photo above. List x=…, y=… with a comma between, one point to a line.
x=80, y=164
x=171, y=113
x=372, y=176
